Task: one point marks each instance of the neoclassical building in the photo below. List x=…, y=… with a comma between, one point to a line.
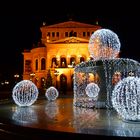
x=62, y=46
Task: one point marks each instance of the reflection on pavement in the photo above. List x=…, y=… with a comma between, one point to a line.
x=60, y=115
x=51, y=109
x=24, y=115
x=82, y=116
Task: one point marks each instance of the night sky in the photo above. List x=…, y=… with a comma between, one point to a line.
x=20, y=28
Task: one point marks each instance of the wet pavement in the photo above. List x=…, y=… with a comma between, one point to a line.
x=62, y=116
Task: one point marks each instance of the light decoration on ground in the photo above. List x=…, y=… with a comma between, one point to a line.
x=104, y=47
x=51, y=110
x=25, y=93
x=25, y=115
x=104, y=44
x=126, y=98
x=92, y=90
x=52, y=93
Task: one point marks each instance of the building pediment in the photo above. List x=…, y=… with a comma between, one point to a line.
x=72, y=24
x=71, y=40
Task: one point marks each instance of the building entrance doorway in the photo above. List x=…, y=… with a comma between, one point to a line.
x=63, y=84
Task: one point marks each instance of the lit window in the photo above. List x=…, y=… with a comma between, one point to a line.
x=54, y=62
x=63, y=62
x=72, y=60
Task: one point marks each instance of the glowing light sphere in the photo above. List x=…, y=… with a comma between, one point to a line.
x=92, y=90
x=25, y=93
x=51, y=93
x=126, y=98
x=104, y=44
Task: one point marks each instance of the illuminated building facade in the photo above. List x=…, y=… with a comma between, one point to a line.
x=62, y=46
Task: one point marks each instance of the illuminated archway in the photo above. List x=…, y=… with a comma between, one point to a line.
x=63, y=62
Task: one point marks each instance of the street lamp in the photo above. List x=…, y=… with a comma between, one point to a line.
x=56, y=73
x=16, y=77
x=32, y=76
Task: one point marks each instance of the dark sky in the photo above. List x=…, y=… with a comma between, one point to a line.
x=20, y=28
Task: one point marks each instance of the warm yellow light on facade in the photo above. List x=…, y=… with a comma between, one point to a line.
x=91, y=77
x=70, y=66
x=62, y=53
x=79, y=56
x=57, y=57
x=68, y=56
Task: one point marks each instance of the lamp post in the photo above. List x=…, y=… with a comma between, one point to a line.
x=16, y=77
x=32, y=76
x=56, y=73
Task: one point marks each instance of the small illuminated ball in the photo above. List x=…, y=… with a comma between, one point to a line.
x=92, y=90
x=126, y=98
x=25, y=93
x=104, y=44
x=51, y=93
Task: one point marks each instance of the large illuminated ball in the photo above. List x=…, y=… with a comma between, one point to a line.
x=51, y=93
x=25, y=93
x=126, y=98
x=104, y=44
x=92, y=90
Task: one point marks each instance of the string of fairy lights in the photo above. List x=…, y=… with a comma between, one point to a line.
x=104, y=45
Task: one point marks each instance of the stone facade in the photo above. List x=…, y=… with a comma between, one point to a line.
x=62, y=46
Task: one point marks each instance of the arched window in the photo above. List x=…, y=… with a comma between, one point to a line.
x=54, y=62
x=63, y=62
x=72, y=61
x=36, y=64
x=43, y=64
x=82, y=59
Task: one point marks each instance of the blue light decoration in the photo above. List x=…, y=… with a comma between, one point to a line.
x=25, y=115
x=92, y=90
x=126, y=98
x=25, y=93
x=52, y=93
x=104, y=44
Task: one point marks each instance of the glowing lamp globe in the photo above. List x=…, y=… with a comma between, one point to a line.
x=25, y=93
x=126, y=98
x=104, y=44
x=92, y=90
x=51, y=93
